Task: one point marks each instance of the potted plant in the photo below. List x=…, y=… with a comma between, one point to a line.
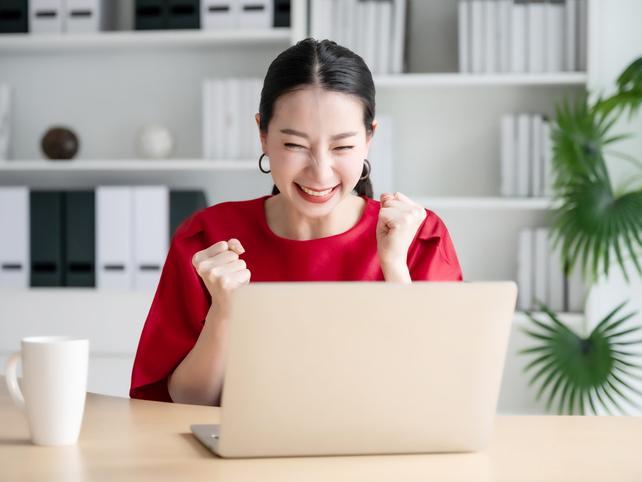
x=596, y=227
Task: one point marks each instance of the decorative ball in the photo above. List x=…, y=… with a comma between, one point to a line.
x=155, y=142
x=59, y=143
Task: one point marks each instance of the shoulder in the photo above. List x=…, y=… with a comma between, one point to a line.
x=227, y=213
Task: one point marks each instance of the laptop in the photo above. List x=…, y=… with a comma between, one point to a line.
x=340, y=368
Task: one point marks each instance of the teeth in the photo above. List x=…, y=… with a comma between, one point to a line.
x=316, y=193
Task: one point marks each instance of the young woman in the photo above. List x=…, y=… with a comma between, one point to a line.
x=316, y=122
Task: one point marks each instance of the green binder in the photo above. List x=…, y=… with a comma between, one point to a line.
x=14, y=15
x=150, y=15
x=79, y=239
x=183, y=14
x=182, y=204
x=46, y=238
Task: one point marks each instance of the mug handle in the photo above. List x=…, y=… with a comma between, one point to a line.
x=12, y=380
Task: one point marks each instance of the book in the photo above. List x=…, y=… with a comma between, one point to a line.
x=463, y=36
x=14, y=238
x=508, y=156
x=519, y=36
x=5, y=121
x=525, y=269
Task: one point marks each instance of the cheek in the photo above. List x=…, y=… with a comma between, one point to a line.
x=350, y=165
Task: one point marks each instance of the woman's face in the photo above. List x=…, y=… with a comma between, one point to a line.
x=316, y=141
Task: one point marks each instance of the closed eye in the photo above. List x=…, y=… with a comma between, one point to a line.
x=293, y=145
x=346, y=148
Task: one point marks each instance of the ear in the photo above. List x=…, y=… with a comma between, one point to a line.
x=375, y=124
x=262, y=136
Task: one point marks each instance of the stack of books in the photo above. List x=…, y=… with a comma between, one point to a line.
x=374, y=29
x=526, y=155
x=229, y=125
x=113, y=237
x=540, y=275
x=535, y=36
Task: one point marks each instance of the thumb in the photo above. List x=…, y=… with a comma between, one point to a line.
x=236, y=246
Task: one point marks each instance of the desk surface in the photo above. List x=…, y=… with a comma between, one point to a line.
x=135, y=440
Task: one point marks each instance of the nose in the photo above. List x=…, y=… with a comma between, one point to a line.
x=321, y=162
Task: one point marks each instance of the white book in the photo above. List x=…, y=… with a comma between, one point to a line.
x=508, y=155
x=384, y=19
x=15, y=239
x=463, y=35
x=151, y=234
x=5, y=121
x=350, y=8
x=255, y=14
x=490, y=32
x=219, y=99
x=232, y=133
x=537, y=159
x=582, y=34
x=525, y=269
x=576, y=290
x=114, y=238
x=540, y=266
x=547, y=152
x=371, y=36
x=340, y=20
x=556, y=284
x=88, y=16
x=398, y=37
x=523, y=163
x=477, y=36
x=504, y=9
x=555, y=36
x=46, y=16
x=206, y=119
x=255, y=140
x=536, y=13
x=570, y=36
x=335, y=23
x=380, y=156
x=359, y=30
x=219, y=14
x=519, y=36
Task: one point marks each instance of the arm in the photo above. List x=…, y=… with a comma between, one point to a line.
x=396, y=273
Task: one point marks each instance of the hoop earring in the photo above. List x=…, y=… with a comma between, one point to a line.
x=366, y=164
x=261, y=167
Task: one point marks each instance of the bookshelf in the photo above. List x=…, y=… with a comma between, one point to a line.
x=106, y=86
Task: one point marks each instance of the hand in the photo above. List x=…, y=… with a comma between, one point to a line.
x=399, y=220
x=222, y=272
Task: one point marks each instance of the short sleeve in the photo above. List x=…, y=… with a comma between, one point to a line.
x=175, y=318
x=432, y=256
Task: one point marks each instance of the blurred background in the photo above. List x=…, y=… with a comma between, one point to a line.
x=120, y=118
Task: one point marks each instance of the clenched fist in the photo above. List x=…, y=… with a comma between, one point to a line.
x=222, y=271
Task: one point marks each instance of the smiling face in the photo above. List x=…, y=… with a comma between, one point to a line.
x=316, y=143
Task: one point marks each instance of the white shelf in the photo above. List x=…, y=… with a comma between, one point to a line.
x=21, y=43
x=471, y=80
x=128, y=165
x=497, y=203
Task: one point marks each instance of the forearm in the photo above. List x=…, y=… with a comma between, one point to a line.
x=396, y=273
x=199, y=377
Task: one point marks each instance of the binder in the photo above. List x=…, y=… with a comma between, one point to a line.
x=46, y=16
x=5, y=121
x=255, y=14
x=491, y=44
x=151, y=234
x=556, y=284
x=219, y=14
x=519, y=41
x=88, y=16
x=14, y=237
x=523, y=151
x=45, y=233
x=508, y=156
x=537, y=159
x=477, y=36
x=281, y=13
x=540, y=266
x=182, y=204
x=536, y=13
x=183, y=14
x=504, y=34
x=525, y=269
x=150, y=15
x=398, y=37
x=14, y=16
x=463, y=35
x=555, y=36
x=114, y=237
x=570, y=36
x=79, y=239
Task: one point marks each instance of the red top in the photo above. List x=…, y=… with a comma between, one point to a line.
x=181, y=301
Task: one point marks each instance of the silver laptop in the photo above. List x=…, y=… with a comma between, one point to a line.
x=337, y=368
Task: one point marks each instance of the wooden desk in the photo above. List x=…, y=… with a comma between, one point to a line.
x=133, y=440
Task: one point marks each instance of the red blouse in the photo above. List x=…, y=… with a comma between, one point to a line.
x=181, y=301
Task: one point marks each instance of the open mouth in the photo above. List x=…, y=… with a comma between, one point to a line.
x=314, y=195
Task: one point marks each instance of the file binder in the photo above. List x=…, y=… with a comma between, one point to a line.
x=114, y=237
x=282, y=13
x=88, y=16
x=45, y=229
x=79, y=239
x=46, y=16
x=219, y=14
x=150, y=15
x=14, y=237
x=151, y=234
x=182, y=204
x=183, y=14
x=5, y=121
x=14, y=16
x=255, y=14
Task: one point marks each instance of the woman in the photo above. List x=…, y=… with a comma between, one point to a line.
x=316, y=122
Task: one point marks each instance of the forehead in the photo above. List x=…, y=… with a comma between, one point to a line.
x=314, y=106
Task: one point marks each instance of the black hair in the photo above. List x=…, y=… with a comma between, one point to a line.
x=327, y=65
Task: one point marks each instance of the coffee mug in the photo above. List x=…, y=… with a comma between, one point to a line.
x=54, y=386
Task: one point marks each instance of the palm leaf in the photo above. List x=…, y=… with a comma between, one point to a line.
x=577, y=373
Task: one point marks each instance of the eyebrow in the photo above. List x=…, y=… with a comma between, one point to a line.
x=305, y=136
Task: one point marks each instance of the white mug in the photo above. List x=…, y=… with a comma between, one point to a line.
x=54, y=383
